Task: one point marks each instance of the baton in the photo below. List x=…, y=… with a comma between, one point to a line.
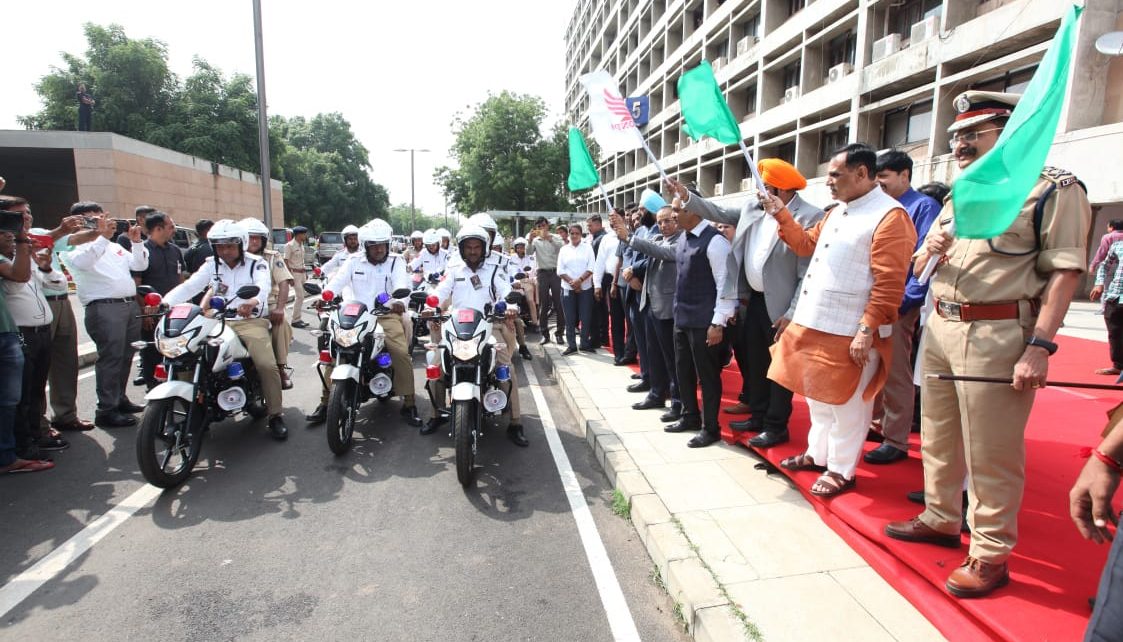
x=1008, y=381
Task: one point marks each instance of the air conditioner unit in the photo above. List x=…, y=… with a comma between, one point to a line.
x=746, y=43
x=887, y=46
x=678, y=147
x=719, y=189
x=838, y=71
x=746, y=184
x=925, y=29
x=790, y=94
x=718, y=63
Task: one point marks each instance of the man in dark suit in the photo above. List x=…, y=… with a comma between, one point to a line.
x=656, y=305
x=766, y=275
x=633, y=268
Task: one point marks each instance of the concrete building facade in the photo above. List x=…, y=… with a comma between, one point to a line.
x=54, y=169
x=805, y=77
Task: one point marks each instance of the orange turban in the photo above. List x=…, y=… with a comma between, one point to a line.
x=781, y=174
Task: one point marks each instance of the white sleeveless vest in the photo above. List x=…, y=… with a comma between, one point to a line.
x=836, y=287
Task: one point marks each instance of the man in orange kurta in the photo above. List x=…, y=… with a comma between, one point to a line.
x=837, y=349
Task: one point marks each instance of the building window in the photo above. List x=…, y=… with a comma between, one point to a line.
x=906, y=125
x=795, y=5
x=842, y=49
x=750, y=100
x=786, y=152
x=751, y=27
x=833, y=140
x=791, y=75
x=1011, y=82
x=910, y=12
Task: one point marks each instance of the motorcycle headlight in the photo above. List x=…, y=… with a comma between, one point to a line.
x=346, y=338
x=172, y=347
x=466, y=349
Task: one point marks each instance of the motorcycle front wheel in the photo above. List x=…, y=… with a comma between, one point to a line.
x=464, y=420
x=342, y=412
x=167, y=448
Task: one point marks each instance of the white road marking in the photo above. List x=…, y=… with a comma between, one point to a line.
x=612, y=597
x=26, y=583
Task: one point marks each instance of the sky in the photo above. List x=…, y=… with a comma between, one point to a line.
x=398, y=71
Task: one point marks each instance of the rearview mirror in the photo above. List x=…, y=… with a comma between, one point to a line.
x=312, y=289
x=248, y=291
x=400, y=293
x=144, y=290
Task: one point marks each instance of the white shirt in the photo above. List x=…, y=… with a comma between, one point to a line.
x=763, y=236
x=573, y=261
x=717, y=252
x=26, y=302
x=337, y=261
x=458, y=290
x=606, y=258
x=367, y=280
x=429, y=262
x=103, y=270
x=226, y=281
x=526, y=264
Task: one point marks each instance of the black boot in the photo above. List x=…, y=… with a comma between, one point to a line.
x=411, y=416
x=277, y=428
x=524, y=352
x=318, y=415
x=515, y=434
x=434, y=422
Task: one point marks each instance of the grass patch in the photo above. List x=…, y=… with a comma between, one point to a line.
x=621, y=505
x=751, y=629
x=657, y=578
x=680, y=618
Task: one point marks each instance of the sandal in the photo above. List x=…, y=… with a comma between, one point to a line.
x=27, y=466
x=832, y=484
x=802, y=461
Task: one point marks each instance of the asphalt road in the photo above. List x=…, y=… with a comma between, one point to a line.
x=273, y=540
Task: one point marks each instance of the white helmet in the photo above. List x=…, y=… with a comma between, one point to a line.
x=377, y=231
x=416, y=234
x=485, y=221
x=443, y=233
x=350, y=229
x=227, y=231
x=254, y=227
x=431, y=237
x=519, y=241
x=470, y=231
x=497, y=241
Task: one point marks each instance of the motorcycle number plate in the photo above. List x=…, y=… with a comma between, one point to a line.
x=179, y=312
x=465, y=316
x=351, y=309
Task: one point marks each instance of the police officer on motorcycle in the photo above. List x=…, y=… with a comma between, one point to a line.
x=350, y=248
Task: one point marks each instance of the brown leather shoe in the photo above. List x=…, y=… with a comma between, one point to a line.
x=915, y=530
x=739, y=408
x=976, y=578
x=78, y=425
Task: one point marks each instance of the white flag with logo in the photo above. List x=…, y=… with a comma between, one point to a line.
x=613, y=126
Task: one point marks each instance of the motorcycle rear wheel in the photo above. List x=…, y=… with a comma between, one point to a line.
x=464, y=420
x=341, y=416
x=158, y=445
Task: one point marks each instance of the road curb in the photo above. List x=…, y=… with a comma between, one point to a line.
x=699, y=601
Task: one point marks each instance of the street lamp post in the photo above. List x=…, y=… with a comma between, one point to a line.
x=412, y=197
x=262, y=121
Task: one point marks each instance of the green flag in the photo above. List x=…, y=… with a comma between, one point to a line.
x=991, y=191
x=704, y=108
x=582, y=170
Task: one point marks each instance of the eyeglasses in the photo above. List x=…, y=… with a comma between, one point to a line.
x=970, y=137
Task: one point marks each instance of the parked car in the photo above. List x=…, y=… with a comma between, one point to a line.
x=281, y=235
x=327, y=244
x=184, y=237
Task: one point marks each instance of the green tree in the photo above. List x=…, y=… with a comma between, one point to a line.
x=503, y=160
x=399, y=217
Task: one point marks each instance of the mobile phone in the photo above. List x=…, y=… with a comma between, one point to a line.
x=44, y=241
x=11, y=222
x=91, y=222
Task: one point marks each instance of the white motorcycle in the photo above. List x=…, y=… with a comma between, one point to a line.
x=361, y=366
x=465, y=360
x=206, y=376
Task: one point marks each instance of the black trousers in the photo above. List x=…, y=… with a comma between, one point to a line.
x=1106, y=624
x=736, y=337
x=769, y=402
x=549, y=298
x=661, y=349
x=599, y=331
x=618, y=322
x=1113, y=318
x=697, y=363
x=84, y=117
x=639, y=331
x=33, y=395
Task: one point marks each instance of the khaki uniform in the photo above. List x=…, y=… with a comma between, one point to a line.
x=977, y=430
x=281, y=332
x=294, y=258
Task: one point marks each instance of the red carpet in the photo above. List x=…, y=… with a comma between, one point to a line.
x=1053, y=570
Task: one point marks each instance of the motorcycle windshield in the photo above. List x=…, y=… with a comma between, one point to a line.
x=465, y=321
x=349, y=313
x=179, y=317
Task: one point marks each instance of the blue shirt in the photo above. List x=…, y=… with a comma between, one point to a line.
x=922, y=210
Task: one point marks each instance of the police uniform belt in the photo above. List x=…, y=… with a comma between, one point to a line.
x=118, y=300
x=981, y=311
x=54, y=297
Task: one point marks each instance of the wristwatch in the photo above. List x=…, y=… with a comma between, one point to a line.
x=1049, y=346
x=717, y=325
x=863, y=328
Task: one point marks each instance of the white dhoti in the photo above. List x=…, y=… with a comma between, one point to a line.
x=839, y=431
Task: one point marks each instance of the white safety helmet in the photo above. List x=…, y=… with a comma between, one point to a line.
x=470, y=231
x=517, y=242
x=377, y=231
x=431, y=237
x=227, y=231
x=485, y=221
x=444, y=234
x=416, y=234
x=497, y=241
x=350, y=229
x=254, y=227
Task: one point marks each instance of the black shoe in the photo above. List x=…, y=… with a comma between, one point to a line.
x=569, y=351
x=588, y=349
x=129, y=408
x=885, y=454
x=747, y=425
x=769, y=438
x=318, y=415
x=515, y=434
x=674, y=414
x=113, y=419
x=637, y=376
x=545, y=339
x=702, y=439
x=559, y=338
x=917, y=496
x=524, y=352
x=639, y=386
x=683, y=425
x=411, y=416
x=531, y=326
x=52, y=443
x=625, y=361
x=139, y=380
x=277, y=428
x=649, y=403
x=431, y=426
x=300, y=325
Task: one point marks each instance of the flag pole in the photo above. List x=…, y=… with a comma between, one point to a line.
x=607, y=202
x=646, y=148
x=752, y=166
x=933, y=261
